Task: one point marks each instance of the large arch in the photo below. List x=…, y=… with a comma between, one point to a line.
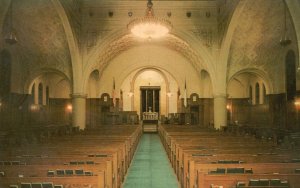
x=138, y=57
x=257, y=72
x=290, y=75
x=165, y=87
x=155, y=69
x=5, y=73
x=226, y=43
x=188, y=46
x=29, y=81
x=5, y=6
x=294, y=9
x=73, y=47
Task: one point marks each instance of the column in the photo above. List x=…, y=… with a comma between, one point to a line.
x=79, y=110
x=220, y=111
x=261, y=93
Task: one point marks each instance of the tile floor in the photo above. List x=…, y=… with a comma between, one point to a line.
x=150, y=167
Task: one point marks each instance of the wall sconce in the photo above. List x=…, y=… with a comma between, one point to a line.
x=34, y=107
x=228, y=107
x=297, y=104
x=130, y=94
x=69, y=108
x=169, y=94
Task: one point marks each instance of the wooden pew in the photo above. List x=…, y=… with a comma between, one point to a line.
x=193, y=150
x=109, y=150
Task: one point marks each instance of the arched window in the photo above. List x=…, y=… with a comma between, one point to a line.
x=33, y=93
x=264, y=94
x=290, y=75
x=256, y=93
x=47, y=95
x=5, y=73
x=40, y=101
x=250, y=95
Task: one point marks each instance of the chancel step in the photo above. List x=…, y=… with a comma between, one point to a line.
x=149, y=128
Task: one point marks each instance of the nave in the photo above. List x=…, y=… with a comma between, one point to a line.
x=66, y=158
x=123, y=156
x=77, y=82
x=150, y=167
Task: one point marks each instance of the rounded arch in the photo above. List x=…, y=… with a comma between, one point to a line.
x=152, y=69
x=5, y=73
x=93, y=85
x=5, y=7
x=73, y=46
x=256, y=72
x=150, y=77
x=40, y=93
x=226, y=42
x=187, y=45
x=290, y=75
x=32, y=77
x=294, y=10
x=257, y=93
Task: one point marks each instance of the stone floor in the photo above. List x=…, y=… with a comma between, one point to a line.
x=150, y=167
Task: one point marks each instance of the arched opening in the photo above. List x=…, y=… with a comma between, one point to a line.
x=5, y=74
x=150, y=88
x=40, y=94
x=245, y=90
x=51, y=89
x=257, y=92
x=290, y=75
x=47, y=95
x=250, y=95
x=33, y=93
x=264, y=97
x=93, y=85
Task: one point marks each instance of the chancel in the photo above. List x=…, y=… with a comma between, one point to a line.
x=142, y=93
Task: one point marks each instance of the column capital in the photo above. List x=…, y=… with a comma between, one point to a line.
x=78, y=95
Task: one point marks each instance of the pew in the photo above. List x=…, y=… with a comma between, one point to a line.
x=89, y=156
x=198, y=154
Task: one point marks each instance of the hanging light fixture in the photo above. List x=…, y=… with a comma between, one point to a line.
x=149, y=26
x=284, y=41
x=11, y=37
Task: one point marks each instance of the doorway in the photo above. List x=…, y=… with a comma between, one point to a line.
x=150, y=99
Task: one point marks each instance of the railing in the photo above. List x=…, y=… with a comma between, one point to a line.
x=150, y=116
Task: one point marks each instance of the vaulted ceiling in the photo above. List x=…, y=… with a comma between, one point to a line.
x=45, y=44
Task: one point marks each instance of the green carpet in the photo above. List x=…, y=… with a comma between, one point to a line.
x=150, y=167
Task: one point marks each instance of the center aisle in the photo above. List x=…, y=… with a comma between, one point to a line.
x=150, y=167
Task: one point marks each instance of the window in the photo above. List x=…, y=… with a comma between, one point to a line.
x=5, y=73
x=257, y=93
x=40, y=99
x=250, y=95
x=290, y=75
x=264, y=93
x=47, y=95
x=33, y=93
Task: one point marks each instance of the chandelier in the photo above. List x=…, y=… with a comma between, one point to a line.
x=11, y=37
x=149, y=26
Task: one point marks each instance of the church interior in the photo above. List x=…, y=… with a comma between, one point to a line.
x=141, y=93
